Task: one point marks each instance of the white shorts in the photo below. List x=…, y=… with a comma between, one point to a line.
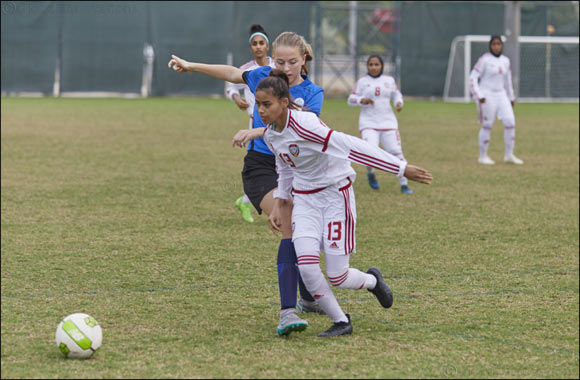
x=329, y=216
x=390, y=139
x=496, y=105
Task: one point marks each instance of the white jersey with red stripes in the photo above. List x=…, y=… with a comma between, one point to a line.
x=310, y=156
x=382, y=90
x=235, y=88
x=491, y=76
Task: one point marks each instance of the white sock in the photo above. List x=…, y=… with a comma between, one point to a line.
x=370, y=170
x=484, y=136
x=245, y=199
x=509, y=136
x=321, y=291
x=342, y=276
x=352, y=278
x=308, y=256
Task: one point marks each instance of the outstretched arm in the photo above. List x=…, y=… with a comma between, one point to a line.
x=364, y=153
x=418, y=174
x=245, y=135
x=359, y=151
x=223, y=72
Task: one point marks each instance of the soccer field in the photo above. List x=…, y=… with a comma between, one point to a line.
x=124, y=209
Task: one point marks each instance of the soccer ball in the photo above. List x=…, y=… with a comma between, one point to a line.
x=78, y=336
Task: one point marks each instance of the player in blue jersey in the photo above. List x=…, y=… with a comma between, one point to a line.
x=259, y=46
x=291, y=54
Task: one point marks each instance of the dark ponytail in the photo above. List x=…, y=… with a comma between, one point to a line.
x=278, y=82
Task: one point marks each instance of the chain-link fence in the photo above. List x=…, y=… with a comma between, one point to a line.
x=122, y=47
x=347, y=33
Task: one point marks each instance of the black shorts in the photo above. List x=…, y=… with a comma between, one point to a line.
x=259, y=176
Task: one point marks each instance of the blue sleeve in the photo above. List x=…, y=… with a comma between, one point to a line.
x=253, y=77
x=314, y=102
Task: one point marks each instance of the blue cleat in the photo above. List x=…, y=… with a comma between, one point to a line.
x=373, y=181
x=405, y=190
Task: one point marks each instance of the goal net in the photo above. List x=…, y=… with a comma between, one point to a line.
x=548, y=68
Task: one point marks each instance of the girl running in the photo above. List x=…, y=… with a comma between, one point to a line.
x=313, y=164
x=291, y=55
x=377, y=121
x=259, y=46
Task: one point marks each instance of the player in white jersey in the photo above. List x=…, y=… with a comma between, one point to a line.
x=491, y=85
x=377, y=121
x=259, y=46
x=291, y=53
x=313, y=163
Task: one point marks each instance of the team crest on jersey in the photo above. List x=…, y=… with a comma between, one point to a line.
x=293, y=148
x=299, y=101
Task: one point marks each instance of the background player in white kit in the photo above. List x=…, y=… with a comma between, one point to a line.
x=259, y=46
x=313, y=163
x=491, y=85
x=377, y=121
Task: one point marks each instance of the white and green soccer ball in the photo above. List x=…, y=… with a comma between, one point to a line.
x=78, y=336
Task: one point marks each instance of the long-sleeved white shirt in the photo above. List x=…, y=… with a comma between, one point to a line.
x=235, y=88
x=310, y=156
x=382, y=91
x=491, y=75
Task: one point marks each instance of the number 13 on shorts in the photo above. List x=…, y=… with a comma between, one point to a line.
x=339, y=237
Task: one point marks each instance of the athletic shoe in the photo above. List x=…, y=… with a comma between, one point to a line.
x=512, y=160
x=382, y=291
x=291, y=322
x=373, y=181
x=245, y=208
x=339, y=328
x=485, y=160
x=405, y=190
x=304, y=306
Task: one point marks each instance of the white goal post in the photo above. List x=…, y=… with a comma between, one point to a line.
x=548, y=68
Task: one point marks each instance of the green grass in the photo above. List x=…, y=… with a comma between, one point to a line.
x=124, y=209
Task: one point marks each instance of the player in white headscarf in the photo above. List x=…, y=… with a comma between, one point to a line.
x=491, y=85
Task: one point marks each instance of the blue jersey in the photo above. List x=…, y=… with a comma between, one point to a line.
x=306, y=94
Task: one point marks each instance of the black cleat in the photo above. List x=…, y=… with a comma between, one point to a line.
x=340, y=328
x=382, y=291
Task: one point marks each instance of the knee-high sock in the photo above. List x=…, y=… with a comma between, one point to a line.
x=484, y=136
x=317, y=284
x=352, y=278
x=342, y=276
x=287, y=274
x=509, y=136
x=308, y=254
